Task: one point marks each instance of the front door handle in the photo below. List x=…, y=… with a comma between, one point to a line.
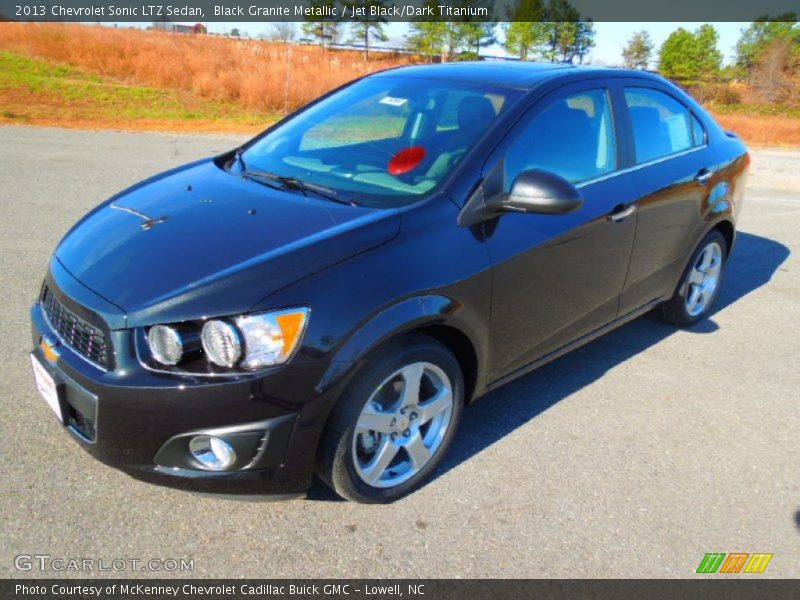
x=703, y=175
x=622, y=212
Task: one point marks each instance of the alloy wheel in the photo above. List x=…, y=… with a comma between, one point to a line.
x=402, y=425
x=703, y=279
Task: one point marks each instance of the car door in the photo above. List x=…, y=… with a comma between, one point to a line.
x=558, y=277
x=673, y=173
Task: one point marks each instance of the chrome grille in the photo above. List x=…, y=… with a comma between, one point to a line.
x=74, y=331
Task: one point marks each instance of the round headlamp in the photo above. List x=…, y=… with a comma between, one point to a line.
x=222, y=343
x=165, y=344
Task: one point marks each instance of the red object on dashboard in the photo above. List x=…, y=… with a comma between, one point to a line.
x=406, y=160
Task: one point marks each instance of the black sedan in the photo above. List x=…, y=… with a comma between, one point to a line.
x=328, y=297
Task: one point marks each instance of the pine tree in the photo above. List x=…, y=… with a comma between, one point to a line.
x=427, y=38
x=476, y=34
x=524, y=30
x=367, y=28
x=325, y=29
x=677, y=57
x=639, y=51
x=709, y=58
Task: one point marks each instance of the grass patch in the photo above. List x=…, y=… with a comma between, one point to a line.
x=34, y=91
x=755, y=110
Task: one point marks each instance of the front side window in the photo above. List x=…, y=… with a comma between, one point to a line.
x=382, y=141
x=572, y=137
x=661, y=125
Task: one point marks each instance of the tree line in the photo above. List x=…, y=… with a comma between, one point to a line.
x=551, y=30
x=767, y=53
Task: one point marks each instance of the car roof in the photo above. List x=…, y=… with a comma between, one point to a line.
x=506, y=73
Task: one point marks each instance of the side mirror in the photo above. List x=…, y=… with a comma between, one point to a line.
x=533, y=191
x=538, y=191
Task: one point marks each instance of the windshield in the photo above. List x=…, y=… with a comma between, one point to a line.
x=383, y=141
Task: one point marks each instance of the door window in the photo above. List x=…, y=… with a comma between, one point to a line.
x=572, y=137
x=698, y=133
x=661, y=125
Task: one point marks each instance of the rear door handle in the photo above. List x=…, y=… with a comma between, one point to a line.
x=622, y=212
x=703, y=175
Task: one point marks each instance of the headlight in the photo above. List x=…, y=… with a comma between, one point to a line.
x=165, y=344
x=259, y=340
x=222, y=343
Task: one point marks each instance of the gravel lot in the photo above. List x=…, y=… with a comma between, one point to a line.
x=631, y=457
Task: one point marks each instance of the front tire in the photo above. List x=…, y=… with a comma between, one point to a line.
x=393, y=425
x=699, y=284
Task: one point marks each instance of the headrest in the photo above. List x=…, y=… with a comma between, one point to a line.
x=475, y=111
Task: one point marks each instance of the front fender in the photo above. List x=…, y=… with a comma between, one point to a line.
x=407, y=315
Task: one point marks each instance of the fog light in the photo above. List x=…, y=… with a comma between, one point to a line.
x=213, y=453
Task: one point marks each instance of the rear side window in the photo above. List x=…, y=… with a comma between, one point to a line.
x=698, y=133
x=572, y=137
x=661, y=125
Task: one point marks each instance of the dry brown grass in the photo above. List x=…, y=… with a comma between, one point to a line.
x=223, y=84
x=763, y=130
x=257, y=75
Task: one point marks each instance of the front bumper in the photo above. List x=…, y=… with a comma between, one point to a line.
x=133, y=419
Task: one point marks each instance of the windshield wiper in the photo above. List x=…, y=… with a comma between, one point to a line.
x=294, y=183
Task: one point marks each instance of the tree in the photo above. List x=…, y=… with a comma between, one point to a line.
x=524, y=30
x=468, y=33
x=283, y=32
x=688, y=57
x=561, y=31
x=454, y=40
x=639, y=51
x=761, y=33
x=677, y=58
x=567, y=36
x=776, y=72
x=709, y=58
x=555, y=33
x=476, y=35
x=436, y=38
x=325, y=29
x=768, y=54
x=584, y=39
x=235, y=32
x=366, y=27
x=427, y=38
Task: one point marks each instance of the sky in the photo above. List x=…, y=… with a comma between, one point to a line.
x=610, y=38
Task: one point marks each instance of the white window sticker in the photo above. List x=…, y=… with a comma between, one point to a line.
x=678, y=132
x=392, y=101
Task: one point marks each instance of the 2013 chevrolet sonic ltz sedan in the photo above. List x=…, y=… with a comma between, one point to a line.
x=329, y=296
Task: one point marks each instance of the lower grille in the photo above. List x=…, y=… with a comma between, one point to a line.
x=81, y=423
x=76, y=333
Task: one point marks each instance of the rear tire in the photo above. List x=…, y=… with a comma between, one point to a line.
x=699, y=283
x=394, y=423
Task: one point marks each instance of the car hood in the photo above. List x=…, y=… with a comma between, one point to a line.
x=197, y=242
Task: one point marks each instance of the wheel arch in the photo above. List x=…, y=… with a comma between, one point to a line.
x=728, y=231
x=444, y=319
x=462, y=348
